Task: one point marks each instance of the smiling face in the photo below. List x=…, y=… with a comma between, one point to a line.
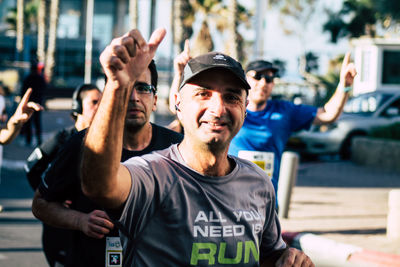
x=141, y=105
x=260, y=89
x=212, y=107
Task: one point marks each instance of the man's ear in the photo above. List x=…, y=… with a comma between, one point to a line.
x=155, y=103
x=177, y=105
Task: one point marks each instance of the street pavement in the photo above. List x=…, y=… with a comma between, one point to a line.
x=345, y=203
x=332, y=199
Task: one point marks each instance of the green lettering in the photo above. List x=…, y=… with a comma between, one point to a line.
x=196, y=255
x=221, y=254
x=250, y=246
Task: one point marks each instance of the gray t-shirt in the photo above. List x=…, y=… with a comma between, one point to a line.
x=174, y=216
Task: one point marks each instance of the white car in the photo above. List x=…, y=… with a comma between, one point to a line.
x=360, y=115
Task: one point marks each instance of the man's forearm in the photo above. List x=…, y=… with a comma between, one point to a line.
x=333, y=108
x=103, y=144
x=335, y=105
x=55, y=214
x=9, y=133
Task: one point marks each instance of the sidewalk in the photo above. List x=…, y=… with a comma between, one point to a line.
x=339, y=201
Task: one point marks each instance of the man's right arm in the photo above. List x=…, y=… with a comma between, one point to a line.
x=95, y=224
x=104, y=178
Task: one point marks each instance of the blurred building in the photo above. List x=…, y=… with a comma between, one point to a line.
x=110, y=19
x=378, y=64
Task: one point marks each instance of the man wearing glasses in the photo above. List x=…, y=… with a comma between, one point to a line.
x=269, y=123
x=95, y=239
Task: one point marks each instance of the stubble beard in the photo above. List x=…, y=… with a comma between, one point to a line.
x=134, y=125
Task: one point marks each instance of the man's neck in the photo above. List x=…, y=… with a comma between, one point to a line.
x=252, y=106
x=205, y=161
x=80, y=123
x=139, y=139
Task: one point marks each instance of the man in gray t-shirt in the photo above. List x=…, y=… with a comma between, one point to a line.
x=195, y=218
x=190, y=204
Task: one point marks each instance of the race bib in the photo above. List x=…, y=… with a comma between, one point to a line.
x=264, y=160
x=113, y=251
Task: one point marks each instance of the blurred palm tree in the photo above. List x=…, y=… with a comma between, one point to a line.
x=28, y=11
x=203, y=42
x=30, y=18
x=51, y=47
x=232, y=47
x=207, y=10
x=361, y=17
x=22, y=20
x=226, y=19
x=20, y=26
x=41, y=31
x=183, y=19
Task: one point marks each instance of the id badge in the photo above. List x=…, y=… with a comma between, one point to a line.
x=264, y=160
x=113, y=251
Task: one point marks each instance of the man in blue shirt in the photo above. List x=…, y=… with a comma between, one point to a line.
x=269, y=123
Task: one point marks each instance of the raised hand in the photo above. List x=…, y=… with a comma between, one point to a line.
x=182, y=59
x=25, y=109
x=128, y=56
x=96, y=224
x=348, y=71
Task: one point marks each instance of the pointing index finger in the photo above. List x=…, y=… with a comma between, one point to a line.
x=156, y=38
x=346, y=59
x=26, y=96
x=187, y=47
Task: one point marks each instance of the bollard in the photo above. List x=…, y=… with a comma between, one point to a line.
x=287, y=179
x=393, y=219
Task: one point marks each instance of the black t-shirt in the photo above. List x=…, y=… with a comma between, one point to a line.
x=62, y=182
x=39, y=160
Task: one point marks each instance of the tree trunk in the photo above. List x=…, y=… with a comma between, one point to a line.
x=133, y=14
x=41, y=31
x=233, y=48
x=50, y=62
x=20, y=26
x=178, y=25
x=203, y=42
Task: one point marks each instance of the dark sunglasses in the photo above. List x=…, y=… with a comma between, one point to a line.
x=144, y=88
x=268, y=78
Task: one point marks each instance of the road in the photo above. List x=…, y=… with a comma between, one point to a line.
x=332, y=198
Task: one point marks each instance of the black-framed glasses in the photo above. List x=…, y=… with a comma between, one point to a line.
x=268, y=78
x=144, y=88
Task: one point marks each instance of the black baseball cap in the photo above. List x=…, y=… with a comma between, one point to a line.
x=259, y=65
x=213, y=60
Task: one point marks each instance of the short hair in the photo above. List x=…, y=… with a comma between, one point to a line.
x=77, y=97
x=154, y=74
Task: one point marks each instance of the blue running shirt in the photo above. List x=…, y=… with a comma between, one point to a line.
x=268, y=131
